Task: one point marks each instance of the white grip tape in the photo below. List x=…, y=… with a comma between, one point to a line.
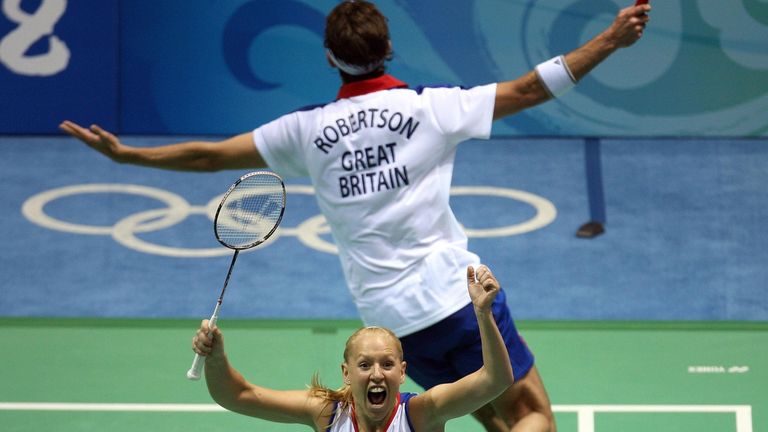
x=196, y=369
x=556, y=76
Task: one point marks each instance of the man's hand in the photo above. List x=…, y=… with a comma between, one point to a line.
x=629, y=25
x=96, y=138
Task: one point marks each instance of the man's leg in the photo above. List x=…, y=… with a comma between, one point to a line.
x=487, y=417
x=524, y=407
x=451, y=349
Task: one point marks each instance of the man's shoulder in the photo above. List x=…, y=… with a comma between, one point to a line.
x=426, y=87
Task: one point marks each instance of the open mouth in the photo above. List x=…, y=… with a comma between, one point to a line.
x=377, y=395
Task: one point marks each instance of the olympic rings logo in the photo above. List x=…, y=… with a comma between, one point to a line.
x=177, y=209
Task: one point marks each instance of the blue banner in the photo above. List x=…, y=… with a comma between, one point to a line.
x=212, y=67
x=58, y=60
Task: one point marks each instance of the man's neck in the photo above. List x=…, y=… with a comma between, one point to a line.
x=361, y=87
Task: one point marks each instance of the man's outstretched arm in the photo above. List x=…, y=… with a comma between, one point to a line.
x=555, y=76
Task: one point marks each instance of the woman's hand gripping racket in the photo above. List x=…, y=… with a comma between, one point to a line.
x=247, y=216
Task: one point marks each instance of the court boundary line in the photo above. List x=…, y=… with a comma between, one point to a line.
x=585, y=413
x=85, y=406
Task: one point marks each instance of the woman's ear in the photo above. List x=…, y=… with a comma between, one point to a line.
x=345, y=373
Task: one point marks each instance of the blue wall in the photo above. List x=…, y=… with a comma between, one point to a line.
x=224, y=67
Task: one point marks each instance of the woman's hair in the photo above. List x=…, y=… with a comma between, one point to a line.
x=357, y=34
x=343, y=396
x=372, y=330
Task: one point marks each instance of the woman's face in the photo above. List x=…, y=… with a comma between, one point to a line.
x=374, y=370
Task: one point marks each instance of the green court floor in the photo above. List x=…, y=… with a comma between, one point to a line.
x=128, y=375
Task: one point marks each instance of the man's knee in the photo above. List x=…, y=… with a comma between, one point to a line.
x=532, y=421
x=535, y=422
x=490, y=420
x=525, y=406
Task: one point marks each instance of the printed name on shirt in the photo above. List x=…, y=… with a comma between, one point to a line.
x=368, y=118
x=371, y=169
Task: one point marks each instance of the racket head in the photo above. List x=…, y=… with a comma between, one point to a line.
x=250, y=211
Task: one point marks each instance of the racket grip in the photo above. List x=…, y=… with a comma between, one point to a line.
x=196, y=369
x=197, y=366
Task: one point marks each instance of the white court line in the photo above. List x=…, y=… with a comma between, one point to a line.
x=55, y=406
x=652, y=408
x=585, y=413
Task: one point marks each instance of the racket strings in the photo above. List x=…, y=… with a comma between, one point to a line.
x=250, y=212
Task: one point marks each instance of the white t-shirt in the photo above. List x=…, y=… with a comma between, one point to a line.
x=381, y=164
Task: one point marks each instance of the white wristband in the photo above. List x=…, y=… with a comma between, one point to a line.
x=556, y=76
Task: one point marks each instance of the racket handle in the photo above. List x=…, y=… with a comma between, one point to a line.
x=197, y=366
x=196, y=369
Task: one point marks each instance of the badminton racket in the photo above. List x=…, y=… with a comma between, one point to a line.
x=249, y=213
